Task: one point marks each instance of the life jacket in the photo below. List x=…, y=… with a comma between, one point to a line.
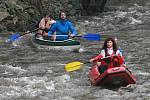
x=113, y=61
x=108, y=61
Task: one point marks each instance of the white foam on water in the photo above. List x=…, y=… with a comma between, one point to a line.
x=9, y=69
x=135, y=21
x=39, y=83
x=142, y=73
x=28, y=87
x=63, y=79
x=82, y=49
x=60, y=64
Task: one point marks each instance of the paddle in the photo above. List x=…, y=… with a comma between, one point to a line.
x=15, y=36
x=87, y=36
x=74, y=66
x=77, y=65
x=91, y=36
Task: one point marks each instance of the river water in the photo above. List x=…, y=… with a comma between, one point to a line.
x=27, y=73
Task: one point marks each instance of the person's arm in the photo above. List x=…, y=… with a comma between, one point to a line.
x=103, y=53
x=52, y=29
x=120, y=49
x=118, y=52
x=42, y=24
x=49, y=23
x=52, y=22
x=97, y=58
x=72, y=29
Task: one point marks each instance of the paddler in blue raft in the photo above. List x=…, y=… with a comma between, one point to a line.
x=63, y=29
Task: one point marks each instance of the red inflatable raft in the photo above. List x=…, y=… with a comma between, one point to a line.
x=117, y=75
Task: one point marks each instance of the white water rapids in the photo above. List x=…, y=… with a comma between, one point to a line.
x=30, y=74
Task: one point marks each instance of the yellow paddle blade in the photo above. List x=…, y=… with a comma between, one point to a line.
x=73, y=66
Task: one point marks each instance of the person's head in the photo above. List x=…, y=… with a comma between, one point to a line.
x=110, y=43
x=48, y=17
x=116, y=40
x=62, y=15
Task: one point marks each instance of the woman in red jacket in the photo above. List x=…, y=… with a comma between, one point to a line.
x=109, y=57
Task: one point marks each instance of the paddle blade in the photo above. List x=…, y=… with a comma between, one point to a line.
x=93, y=37
x=15, y=36
x=73, y=66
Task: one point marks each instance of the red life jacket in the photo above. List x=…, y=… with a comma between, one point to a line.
x=115, y=61
x=110, y=62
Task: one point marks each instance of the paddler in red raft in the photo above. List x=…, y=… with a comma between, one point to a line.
x=109, y=57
